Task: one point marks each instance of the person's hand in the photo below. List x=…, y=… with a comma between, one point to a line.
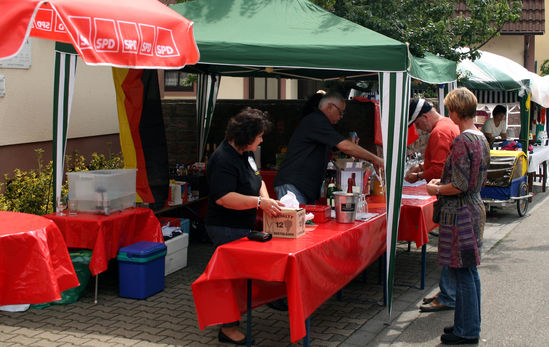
x=271, y=206
x=433, y=186
x=378, y=163
x=411, y=177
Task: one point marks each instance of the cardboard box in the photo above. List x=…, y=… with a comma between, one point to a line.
x=289, y=224
x=321, y=212
x=176, y=253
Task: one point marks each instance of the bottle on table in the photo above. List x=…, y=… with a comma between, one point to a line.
x=330, y=193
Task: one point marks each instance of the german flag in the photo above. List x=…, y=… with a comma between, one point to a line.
x=142, y=135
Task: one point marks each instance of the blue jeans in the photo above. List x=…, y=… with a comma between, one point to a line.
x=285, y=188
x=447, y=285
x=467, y=313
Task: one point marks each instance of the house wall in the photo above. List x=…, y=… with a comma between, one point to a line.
x=26, y=109
x=509, y=46
x=181, y=134
x=542, y=41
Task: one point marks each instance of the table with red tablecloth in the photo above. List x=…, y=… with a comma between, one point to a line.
x=308, y=270
x=416, y=215
x=105, y=235
x=35, y=266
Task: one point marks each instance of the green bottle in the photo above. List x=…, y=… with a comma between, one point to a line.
x=330, y=193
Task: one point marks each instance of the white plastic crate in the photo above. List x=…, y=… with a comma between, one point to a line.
x=102, y=191
x=176, y=255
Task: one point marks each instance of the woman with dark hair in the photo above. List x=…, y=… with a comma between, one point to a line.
x=463, y=215
x=236, y=190
x=495, y=126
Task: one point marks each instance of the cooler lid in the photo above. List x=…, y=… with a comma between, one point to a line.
x=142, y=249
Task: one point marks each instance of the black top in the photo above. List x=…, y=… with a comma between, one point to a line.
x=228, y=171
x=308, y=153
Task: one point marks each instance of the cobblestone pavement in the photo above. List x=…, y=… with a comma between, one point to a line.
x=169, y=319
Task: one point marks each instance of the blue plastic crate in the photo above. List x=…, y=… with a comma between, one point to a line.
x=141, y=269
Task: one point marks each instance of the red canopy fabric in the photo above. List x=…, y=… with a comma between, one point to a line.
x=121, y=33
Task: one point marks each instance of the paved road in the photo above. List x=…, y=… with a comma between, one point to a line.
x=515, y=284
x=515, y=310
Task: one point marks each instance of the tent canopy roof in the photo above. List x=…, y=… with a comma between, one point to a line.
x=493, y=72
x=433, y=69
x=295, y=38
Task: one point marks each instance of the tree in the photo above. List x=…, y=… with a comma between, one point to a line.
x=436, y=26
x=545, y=68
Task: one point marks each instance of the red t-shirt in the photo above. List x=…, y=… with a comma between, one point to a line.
x=438, y=147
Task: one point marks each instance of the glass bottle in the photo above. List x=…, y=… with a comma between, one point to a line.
x=330, y=193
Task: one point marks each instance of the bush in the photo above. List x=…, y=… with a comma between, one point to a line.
x=32, y=191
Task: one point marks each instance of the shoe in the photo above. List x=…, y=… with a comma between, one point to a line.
x=451, y=339
x=224, y=338
x=429, y=300
x=434, y=306
x=434, y=233
x=279, y=305
x=449, y=330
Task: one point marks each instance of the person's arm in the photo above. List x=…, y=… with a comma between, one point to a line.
x=354, y=150
x=438, y=148
x=413, y=174
x=237, y=201
x=435, y=188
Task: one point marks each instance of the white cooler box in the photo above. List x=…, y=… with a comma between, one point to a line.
x=176, y=256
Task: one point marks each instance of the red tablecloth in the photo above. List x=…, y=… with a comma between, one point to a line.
x=35, y=266
x=105, y=235
x=416, y=216
x=309, y=270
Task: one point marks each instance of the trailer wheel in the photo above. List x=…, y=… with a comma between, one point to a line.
x=522, y=204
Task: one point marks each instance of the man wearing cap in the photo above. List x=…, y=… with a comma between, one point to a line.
x=442, y=131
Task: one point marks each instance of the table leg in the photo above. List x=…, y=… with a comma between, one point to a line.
x=96, y=286
x=307, y=338
x=544, y=176
x=423, y=265
x=249, y=322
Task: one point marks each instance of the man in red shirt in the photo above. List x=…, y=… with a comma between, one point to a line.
x=442, y=131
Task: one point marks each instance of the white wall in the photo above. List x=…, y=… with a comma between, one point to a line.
x=542, y=41
x=509, y=46
x=231, y=88
x=26, y=109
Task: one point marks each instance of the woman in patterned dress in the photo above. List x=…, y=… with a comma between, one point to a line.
x=463, y=215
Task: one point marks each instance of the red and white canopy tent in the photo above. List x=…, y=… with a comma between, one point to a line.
x=140, y=34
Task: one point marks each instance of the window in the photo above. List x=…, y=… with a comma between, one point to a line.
x=179, y=81
x=264, y=88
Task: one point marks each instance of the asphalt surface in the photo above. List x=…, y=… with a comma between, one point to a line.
x=515, y=307
x=514, y=279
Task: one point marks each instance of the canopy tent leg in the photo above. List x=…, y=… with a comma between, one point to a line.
x=63, y=91
x=395, y=96
x=206, y=97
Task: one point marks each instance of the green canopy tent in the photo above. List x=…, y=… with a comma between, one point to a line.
x=493, y=72
x=297, y=39
x=433, y=69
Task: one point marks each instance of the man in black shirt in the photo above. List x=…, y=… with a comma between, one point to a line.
x=304, y=167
